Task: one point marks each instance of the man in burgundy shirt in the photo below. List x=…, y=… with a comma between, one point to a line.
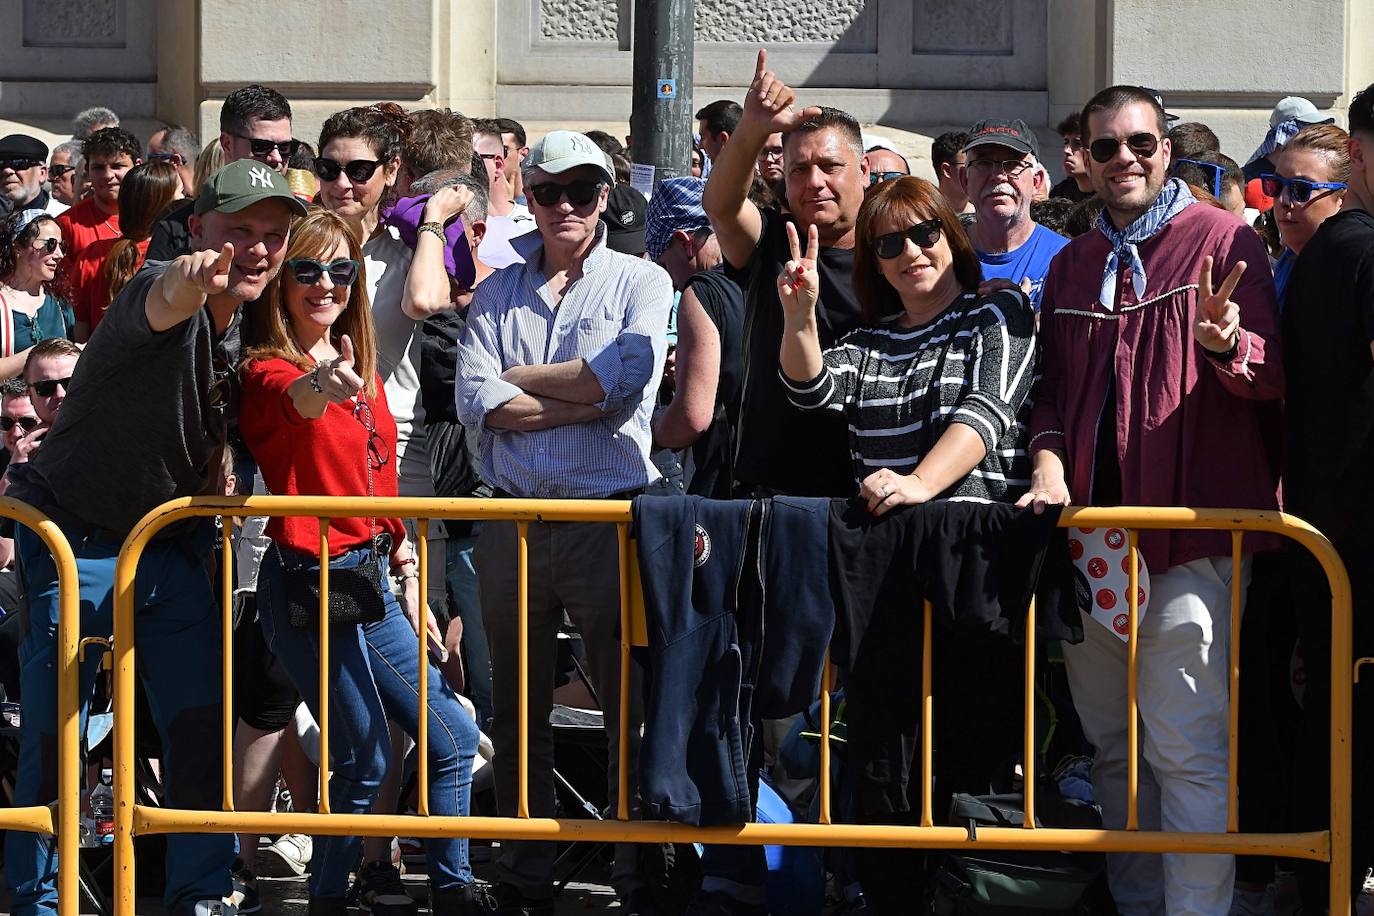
x=1161, y=387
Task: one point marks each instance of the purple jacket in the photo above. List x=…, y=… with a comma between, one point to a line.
x=1190, y=430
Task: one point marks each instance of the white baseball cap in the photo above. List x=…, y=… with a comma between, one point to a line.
x=1296, y=108
x=560, y=150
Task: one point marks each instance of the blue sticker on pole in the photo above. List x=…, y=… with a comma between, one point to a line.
x=667, y=89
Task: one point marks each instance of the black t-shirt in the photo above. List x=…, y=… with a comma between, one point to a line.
x=1328, y=324
x=1068, y=189
x=781, y=448
x=144, y=420
x=171, y=236
x=713, y=454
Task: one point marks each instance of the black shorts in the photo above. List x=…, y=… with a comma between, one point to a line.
x=264, y=696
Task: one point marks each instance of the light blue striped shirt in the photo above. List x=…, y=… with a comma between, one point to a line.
x=614, y=316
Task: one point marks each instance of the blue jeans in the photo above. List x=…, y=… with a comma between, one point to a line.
x=462, y=585
x=179, y=654
x=375, y=673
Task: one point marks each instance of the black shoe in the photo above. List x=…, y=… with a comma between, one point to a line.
x=511, y=901
x=327, y=906
x=379, y=890
x=473, y=899
x=638, y=902
x=717, y=903
x=244, y=893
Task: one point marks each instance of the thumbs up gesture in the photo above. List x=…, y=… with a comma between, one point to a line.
x=339, y=380
x=1217, y=323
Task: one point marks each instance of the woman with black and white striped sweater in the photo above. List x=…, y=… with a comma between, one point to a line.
x=936, y=385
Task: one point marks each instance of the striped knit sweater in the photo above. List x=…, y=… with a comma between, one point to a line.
x=883, y=379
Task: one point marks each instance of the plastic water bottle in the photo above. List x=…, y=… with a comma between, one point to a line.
x=102, y=808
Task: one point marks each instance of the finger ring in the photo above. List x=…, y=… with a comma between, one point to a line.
x=883, y=492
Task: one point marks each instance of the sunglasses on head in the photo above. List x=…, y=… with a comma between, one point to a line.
x=1298, y=190
x=925, y=234
x=174, y=158
x=358, y=170
x=307, y=271
x=19, y=165
x=578, y=193
x=1216, y=170
x=57, y=171
x=47, y=387
x=880, y=177
x=47, y=246
x=262, y=148
x=1142, y=145
x=27, y=424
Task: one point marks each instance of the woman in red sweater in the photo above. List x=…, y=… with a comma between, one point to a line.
x=315, y=418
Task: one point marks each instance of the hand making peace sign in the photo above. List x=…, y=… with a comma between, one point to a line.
x=1217, y=324
x=799, y=285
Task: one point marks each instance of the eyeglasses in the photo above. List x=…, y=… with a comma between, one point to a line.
x=891, y=244
x=358, y=170
x=307, y=271
x=47, y=387
x=492, y=157
x=19, y=165
x=1011, y=167
x=174, y=158
x=377, y=450
x=880, y=177
x=1215, y=169
x=1141, y=145
x=57, y=171
x=263, y=148
x=47, y=246
x=1298, y=190
x=27, y=424
x=578, y=193
x=771, y=152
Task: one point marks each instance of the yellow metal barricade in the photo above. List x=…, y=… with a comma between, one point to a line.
x=62, y=818
x=1331, y=845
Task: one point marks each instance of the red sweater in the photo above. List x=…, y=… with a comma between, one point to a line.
x=82, y=226
x=323, y=457
x=1190, y=431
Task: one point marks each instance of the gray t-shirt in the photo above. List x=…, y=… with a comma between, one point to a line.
x=138, y=427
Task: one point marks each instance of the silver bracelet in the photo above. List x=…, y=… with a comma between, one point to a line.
x=315, y=380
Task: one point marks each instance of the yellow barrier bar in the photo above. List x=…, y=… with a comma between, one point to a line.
x=622, y=791
x=927, y=718
x=422, y=730
x=324, y=666
x=1312, y=846
x=1028, y=750
x=825, y=739
x=522, y=609
x=1132, y=684
x=227, y=665
x=1330, y=845
x=1233, y=738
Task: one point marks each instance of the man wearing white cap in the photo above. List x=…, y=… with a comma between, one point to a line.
x=1289, y=116
x=558, y=367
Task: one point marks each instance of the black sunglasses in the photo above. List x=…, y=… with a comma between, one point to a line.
x=19, y=165
x=57, y=171
x=48, y=245
x=1299, y=189
x=925, y=235
x=578, y=193
x=260, y=148
x=174, y=158
x=1142, y=145
x=307, y=271
x=358, y=170
x=46, y=388
x=880, y=177
x=27, y=424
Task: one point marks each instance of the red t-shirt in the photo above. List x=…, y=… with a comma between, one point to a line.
x=323, y=457
x=88, y=280
x=82, y=226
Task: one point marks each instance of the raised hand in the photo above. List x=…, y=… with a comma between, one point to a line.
x=799, y=284
x=446, y=203
x=768, y=106
x=207, y=272
x=338, y=379
x=1217, y=323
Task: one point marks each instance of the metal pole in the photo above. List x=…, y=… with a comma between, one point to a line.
x=661, y=116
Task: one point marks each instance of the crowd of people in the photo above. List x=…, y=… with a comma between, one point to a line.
x=424, y=304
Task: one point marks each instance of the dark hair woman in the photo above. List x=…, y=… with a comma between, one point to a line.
x=315, y=417
x=30, y=250
x=935, y=386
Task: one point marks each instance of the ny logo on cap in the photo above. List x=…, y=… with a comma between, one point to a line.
x=260, y=176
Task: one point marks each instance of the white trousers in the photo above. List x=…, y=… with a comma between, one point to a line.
x=1184, y=650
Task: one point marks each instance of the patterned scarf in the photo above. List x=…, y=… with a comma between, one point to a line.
x=1277, y=136
x=1171, y=201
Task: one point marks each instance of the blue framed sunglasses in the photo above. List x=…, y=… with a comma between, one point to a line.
x=1299, y=190
x=1211, y=167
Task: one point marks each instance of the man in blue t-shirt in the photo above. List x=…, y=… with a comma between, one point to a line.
x=1001, y=179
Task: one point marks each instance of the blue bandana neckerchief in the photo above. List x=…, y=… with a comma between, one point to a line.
x=1171, y=201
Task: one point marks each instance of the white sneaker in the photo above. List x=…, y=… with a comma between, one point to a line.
x=214, y=908
x=287, y=857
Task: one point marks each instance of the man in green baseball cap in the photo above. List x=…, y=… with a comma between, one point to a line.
x=152, y=400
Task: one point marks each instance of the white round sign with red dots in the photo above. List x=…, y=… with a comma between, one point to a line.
x=1101, y=559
